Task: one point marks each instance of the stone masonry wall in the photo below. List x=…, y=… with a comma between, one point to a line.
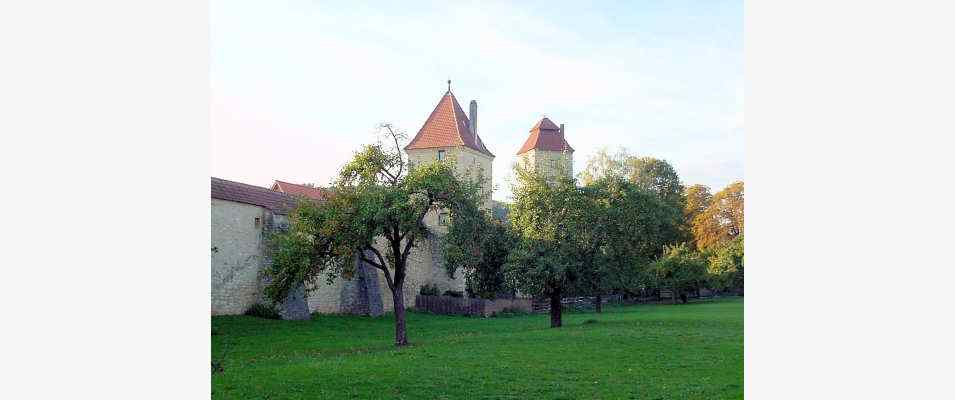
x=236, y=264
x=550, y=163
x=347, y=296
x=237, y=254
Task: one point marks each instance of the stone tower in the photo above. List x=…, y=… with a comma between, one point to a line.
x=546, y=150
x=449, y=134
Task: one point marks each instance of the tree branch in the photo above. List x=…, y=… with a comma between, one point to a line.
x=391, y=283
x=401, y=161
x=408, y=245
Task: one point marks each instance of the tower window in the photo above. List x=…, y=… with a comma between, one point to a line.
x=258, y=222
x=440, y=155
x=444, y=219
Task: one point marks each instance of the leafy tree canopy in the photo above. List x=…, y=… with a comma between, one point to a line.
x=376, y=215
x=698, y=198
x=680, y=270
x=648, y=173
x=722, y=220
x=478, y=244
x=725, y=265
x=630, y=227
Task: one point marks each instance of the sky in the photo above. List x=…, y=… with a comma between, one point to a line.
x=297, y=87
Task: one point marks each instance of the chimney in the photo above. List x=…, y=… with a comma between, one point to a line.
x=473, y=118
x=561, y=130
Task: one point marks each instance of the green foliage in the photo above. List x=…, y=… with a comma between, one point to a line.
x=454, y=293
x=650, y=174
x=376, y=215
x=544, y=217
x=375, y=197
x=657, y=352
x=725, y=265
x=588, y=240
x=603, y=164
x=263, y=311
x=680, y=270
x=429, y=290
x=634, y=227
x=478, y=244
x=658, y=177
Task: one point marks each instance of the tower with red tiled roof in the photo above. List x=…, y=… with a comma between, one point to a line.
x=546, y=150
x=451, y=135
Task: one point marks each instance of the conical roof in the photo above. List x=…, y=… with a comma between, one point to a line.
x=448, y=126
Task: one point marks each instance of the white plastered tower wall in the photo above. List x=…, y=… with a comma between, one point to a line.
x=546, y=151
x=469, y=165
x=551, y=164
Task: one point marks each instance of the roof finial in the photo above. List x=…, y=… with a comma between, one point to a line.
x=449, y=86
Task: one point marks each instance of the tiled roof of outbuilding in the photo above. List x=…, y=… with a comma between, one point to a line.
x=293, y=189
x=279, y=203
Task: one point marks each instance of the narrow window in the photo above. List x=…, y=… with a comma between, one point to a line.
x=258, y=222
x=440, y=155
x=444, y=219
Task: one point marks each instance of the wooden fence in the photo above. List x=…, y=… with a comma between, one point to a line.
x=448, y=305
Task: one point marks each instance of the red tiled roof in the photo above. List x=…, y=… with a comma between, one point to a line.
x=279, y=203
x=545, y=135
x=447, y=126
x=300, y=190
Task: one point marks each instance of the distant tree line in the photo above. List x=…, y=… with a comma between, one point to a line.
x=626, y=225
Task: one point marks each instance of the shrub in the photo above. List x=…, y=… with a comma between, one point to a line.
x=454, y=293
x=263, y=311
x=680, y=270
x=726, y=265
x=428, y=290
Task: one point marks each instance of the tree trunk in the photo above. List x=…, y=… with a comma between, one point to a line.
x=555, y=310
x=598, y=304
x=401, y=335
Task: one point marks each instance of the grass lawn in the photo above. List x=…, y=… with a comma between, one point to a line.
x=692, y=351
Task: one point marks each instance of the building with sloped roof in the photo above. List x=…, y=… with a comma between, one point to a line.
x=243, y=215
x=296, y=190
x=449, y=134
x=546, y=150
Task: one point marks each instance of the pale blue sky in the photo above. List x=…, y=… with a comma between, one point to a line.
x=298, y=86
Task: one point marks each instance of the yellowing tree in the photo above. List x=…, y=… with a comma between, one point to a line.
x=722, y=220
x=698, y=198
